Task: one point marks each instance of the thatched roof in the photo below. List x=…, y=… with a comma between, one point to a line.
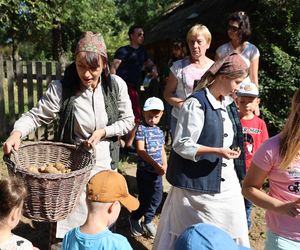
x=176, y=23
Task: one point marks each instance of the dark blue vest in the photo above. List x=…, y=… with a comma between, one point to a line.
x=205, y=174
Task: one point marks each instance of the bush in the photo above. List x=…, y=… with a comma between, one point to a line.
x=277, y=35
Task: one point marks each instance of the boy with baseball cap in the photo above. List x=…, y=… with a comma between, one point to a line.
x=255, y=131
x=152, y=164
x=106, y=191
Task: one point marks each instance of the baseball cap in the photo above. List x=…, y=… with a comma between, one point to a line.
x=153, y=103
x=204, y=236
x=110, y=186
x=248, y=89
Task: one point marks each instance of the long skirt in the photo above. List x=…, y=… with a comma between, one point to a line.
x=183, y=208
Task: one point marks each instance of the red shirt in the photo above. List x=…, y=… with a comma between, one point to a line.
x=255, y=133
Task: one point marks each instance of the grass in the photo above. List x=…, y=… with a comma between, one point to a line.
x=3, y=169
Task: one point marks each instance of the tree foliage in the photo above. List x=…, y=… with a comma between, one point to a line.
x=277, y=34
x=49, y=29
x=23, y=21
x=20, y=21
x=141, y=12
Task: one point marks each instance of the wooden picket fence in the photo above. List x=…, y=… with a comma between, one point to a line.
x=21, y=85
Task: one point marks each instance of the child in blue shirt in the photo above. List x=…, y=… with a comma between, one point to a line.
x=106, y=191
x=152, y=164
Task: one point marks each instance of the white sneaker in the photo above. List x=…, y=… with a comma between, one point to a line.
x=150, y=229
x=135, y=227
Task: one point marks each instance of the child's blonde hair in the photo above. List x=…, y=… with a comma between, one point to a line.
x=12, y=194
x=290, y=135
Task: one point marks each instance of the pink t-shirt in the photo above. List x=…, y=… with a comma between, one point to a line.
x=284, y=186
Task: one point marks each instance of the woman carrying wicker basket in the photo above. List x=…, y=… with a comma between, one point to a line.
x=93, y=107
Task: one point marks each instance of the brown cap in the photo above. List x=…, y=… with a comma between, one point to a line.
x=91, y=42
x=110, y=186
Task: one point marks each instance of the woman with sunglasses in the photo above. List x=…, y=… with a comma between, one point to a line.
x=239, y=32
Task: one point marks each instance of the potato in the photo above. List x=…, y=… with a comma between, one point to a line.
x=51, y=170
x=60, y=166
x=33, y=169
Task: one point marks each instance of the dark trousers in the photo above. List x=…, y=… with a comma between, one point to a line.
x=248, y=206
x=150, y=195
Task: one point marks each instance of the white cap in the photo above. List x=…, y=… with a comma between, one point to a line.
x=248, y=89
x=153, y=103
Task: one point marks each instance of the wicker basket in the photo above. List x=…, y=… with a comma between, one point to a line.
x=51, y=197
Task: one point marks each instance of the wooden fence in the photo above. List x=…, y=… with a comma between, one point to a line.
x=21, y=85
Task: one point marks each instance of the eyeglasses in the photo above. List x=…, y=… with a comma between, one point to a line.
x=141, y=34
x=232, y=28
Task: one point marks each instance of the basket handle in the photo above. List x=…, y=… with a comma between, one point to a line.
x=7, y=159
x=83, y=146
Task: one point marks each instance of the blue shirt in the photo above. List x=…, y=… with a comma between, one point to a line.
x=130, y=69
x=105, y=240
x=154, y=140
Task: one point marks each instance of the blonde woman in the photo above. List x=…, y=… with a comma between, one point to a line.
x=184, y=72
x=278, y=159
x=205, y=181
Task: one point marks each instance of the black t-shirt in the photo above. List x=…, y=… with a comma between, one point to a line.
x=132, y=64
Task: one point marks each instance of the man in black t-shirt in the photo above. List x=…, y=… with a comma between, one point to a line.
x=128, y=63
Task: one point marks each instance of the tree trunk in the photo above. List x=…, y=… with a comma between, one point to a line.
x=57, y=48
x=15, y=50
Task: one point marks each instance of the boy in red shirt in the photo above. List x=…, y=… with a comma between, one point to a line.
x=254, y=128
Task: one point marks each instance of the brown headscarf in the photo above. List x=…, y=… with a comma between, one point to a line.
x=231, y=64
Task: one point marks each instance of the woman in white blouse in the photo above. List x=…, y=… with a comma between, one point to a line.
x=87, y=112
x=239, y=32
x=184, y=72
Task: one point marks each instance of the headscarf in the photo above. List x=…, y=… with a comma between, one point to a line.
x=229, y=64
x=232, y=63
x=91, y=42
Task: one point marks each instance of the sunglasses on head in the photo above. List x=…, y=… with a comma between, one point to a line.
x=233, y=28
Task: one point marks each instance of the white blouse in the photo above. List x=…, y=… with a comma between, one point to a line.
x=186, y=74
x=90, y=114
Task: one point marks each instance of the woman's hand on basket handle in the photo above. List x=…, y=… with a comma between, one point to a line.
x=12, y=142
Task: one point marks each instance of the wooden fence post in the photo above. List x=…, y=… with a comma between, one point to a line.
x=19, y=69
x=58, y=71
x=36, y=77
x=29, y=84
x=39, y=79
x=2, y=102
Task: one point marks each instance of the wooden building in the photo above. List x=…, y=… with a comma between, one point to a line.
x=178, y=20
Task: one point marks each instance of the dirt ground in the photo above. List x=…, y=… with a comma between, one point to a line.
x=38, y=233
